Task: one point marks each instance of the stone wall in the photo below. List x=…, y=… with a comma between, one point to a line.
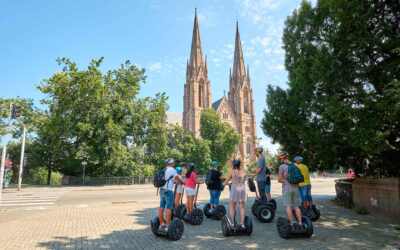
x=380, y=196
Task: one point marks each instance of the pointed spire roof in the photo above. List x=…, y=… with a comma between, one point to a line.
x=196, y=55
x=238, y=61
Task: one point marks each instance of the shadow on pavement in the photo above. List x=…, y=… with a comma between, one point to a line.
x=338, y=228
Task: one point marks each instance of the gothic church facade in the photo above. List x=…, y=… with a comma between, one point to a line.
x=237, y=109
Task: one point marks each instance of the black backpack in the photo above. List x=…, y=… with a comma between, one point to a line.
x=159, y=179
x=209, y=180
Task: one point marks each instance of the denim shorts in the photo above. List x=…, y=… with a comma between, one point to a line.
x=166, y=198
x=305, y=193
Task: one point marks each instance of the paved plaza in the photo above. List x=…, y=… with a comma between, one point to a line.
x=117, y=217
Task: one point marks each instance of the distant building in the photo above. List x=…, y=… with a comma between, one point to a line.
x=174, y=118
x=237, y=108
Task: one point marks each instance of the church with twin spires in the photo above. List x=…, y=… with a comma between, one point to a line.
x=237, y=109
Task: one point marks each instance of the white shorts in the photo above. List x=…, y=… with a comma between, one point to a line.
x=190, y=191
x=179, y=189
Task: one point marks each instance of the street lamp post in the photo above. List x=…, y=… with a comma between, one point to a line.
x=83, y=172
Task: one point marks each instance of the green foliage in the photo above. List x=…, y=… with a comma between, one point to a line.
x=221, y=137
x=342, y=104
x=185, y=147
x=98, y=118
x=39, y=176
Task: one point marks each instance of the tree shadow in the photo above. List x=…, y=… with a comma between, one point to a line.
x=338, y=228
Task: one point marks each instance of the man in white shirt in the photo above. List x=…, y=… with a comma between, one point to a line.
x=167, y=195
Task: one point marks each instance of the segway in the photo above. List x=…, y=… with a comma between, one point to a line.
x=216, y=214
x=175, y=228
x=231, y=228
x=263, y=210
x=287, y=231
x=312, y=212
x=196, y=217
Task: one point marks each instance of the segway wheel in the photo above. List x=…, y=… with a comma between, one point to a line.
x=206, y=210
x=155, y=224
x=265, y=214
x=175, y=229
x=316, y=213
x=273, y=202
x=308, y=225
x=248, y=223
x=220, y=211
x=197, y=216
x=254, y=208
x=180, y=211
x=226, y=231
x=284, y=228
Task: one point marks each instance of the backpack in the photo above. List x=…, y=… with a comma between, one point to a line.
x=159, y=179
x=294, y=174
x=209, y=180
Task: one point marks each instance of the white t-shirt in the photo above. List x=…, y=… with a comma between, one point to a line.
x=170, y=173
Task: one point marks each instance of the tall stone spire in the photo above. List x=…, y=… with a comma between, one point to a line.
x=238, y=61
x=196, y=55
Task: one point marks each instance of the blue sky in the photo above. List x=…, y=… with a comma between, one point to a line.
x=154, y=34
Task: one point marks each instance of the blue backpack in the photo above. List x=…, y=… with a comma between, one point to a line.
x=294, y=174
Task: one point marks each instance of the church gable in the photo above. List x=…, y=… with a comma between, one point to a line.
x=225, y=111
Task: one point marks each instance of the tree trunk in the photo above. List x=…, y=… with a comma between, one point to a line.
x=49, y=174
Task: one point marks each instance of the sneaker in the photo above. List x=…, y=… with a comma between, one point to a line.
x=242, y=226
x=163, y=228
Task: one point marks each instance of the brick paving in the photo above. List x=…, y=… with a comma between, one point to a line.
x=124, y=224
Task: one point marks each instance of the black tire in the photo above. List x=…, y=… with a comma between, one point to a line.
x=206, y=210
x=248, y=223
x=316, y=212
x=197, y=216
x=180, y=211
x=273, y=203
x=265, y=213
x=254, y=208
x=226, y=231
x=220, y=212
x=308, y=225
x=155, y=224
x=284, y=228
x=175, y=229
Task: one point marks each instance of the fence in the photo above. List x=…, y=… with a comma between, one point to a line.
x=94, y=181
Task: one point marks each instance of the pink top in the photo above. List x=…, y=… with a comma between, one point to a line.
x=191, y=181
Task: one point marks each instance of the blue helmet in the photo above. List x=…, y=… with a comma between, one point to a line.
x=298, y=158
x=179, y=170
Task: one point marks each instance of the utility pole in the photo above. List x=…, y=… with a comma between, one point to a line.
x=3, y=156
x=21, y=164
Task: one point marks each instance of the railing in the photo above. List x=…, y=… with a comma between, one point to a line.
x=95, y=181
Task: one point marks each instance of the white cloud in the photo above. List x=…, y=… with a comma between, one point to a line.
x=257, y=10
x=155, y=67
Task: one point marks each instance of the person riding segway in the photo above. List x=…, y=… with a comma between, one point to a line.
x=295, y=225
x=307, y=207
x=214, y=183
x=263, y=210
x=167, y=226
x=190, y=212
x=237, y=196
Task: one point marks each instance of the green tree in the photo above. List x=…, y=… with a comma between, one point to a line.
x=342, y=104
x=185, y=147
x=222, y=138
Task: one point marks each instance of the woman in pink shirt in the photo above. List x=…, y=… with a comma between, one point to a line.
x=190, y=187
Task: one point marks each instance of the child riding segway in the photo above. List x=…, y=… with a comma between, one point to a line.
x=214, y=183
x=237, y=196
x=190, y=212
x=166, y=226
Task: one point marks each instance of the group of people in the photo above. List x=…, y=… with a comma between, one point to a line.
x=184, y=179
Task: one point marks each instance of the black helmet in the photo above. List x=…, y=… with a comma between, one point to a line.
x=236, y=163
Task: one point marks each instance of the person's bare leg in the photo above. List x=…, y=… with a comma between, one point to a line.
x=161, y=215
x=232, y=207
x=168, y=216
x=298, y=215
x=289, y=213
x=242, y=212
x=190, y=204
x=187, y=203
x=177, y=199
